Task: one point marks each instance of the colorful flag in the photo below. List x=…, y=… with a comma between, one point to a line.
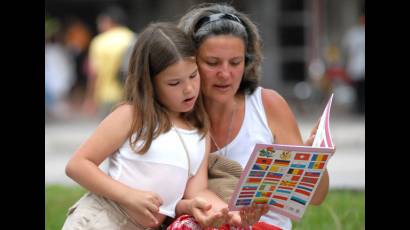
x=286, y=188
x=295, y=178
x=266, y=187
x=261, y=200
x=313, y=174
x=257, y=173
x=271, y=180
x=307, y=185
x=302, y=156
x=274, y=175
x=259, y=167
x=272, y=202
x=245, y=196
x=283, y=191
x=274, y=168
x=299, y=166
x=319, y=157
x=243, y=202
x=253, y=180
x=295, y=171
x=312, y=180
x=280, y=197
x=263, y=194
x=281, y=162
x=304, y=188
x=316, y=165
x=261, y=160
x=276, y=203
x=247, y=193
x=249, y=187
x=288, y=183
x=302, y=192
x=298, y=200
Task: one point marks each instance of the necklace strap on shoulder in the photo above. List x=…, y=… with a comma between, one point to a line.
x=186, y=150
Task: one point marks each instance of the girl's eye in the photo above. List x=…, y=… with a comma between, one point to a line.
x=194, y=75
x=212, y=63
x=173, y=83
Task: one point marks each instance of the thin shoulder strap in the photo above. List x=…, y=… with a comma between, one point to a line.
x=186, y=151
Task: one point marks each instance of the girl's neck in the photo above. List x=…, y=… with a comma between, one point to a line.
x=178, y=121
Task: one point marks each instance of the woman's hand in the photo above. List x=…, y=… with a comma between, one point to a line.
x=312, y=135
x=143, y=207
x=248, y=216
x=251, y=215
x=203, y=213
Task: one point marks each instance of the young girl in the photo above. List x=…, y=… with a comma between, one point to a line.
x=155, y=141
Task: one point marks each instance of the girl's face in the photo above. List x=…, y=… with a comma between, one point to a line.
x=177, y=86
x=221, y=64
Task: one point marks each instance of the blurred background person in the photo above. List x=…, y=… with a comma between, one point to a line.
x=77, y=39
x=104, y=88
x=59, y=71
x=354, y=60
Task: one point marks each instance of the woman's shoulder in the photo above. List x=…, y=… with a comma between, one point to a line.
x=280, y=118
x=276, y=108
x=273, y=100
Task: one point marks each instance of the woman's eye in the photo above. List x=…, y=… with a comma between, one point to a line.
x=235, y=63
x=212, y=63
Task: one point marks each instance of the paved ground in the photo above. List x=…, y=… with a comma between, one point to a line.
x=346, y=168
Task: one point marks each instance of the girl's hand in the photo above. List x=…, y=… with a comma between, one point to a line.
x=202, y=211
x=143, y=207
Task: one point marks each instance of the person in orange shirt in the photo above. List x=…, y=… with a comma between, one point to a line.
x=105, y=57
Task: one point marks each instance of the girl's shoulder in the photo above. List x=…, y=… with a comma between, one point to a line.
x=122, y=116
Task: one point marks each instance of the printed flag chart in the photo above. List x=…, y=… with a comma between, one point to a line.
x=285, y=176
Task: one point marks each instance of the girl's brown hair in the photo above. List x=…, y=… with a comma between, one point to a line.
x=233, y=23
x=158, y=46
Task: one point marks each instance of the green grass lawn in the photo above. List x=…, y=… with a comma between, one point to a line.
x=342, y=209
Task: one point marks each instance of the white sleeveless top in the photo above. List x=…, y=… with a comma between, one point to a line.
x=254, y=129
x=163, y=169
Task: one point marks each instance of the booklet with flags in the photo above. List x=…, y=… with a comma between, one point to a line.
x=285, y=176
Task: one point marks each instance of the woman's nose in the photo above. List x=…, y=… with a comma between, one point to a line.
x=223, y=70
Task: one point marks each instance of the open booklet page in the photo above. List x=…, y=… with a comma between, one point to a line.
x=285, y=176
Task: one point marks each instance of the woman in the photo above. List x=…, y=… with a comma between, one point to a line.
x=241, y=113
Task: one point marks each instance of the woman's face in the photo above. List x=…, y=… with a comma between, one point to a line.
x=221, y=64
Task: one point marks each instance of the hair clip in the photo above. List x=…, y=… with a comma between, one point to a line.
x=214, y=17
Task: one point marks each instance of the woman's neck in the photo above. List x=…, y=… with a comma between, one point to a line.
x=220, y=112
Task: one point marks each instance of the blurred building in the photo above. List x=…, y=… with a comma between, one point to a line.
x=295, y=33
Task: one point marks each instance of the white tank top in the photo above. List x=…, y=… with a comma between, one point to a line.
x=254, y=129
x=163, y=169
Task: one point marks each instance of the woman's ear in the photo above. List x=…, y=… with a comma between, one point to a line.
x=248, y=58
